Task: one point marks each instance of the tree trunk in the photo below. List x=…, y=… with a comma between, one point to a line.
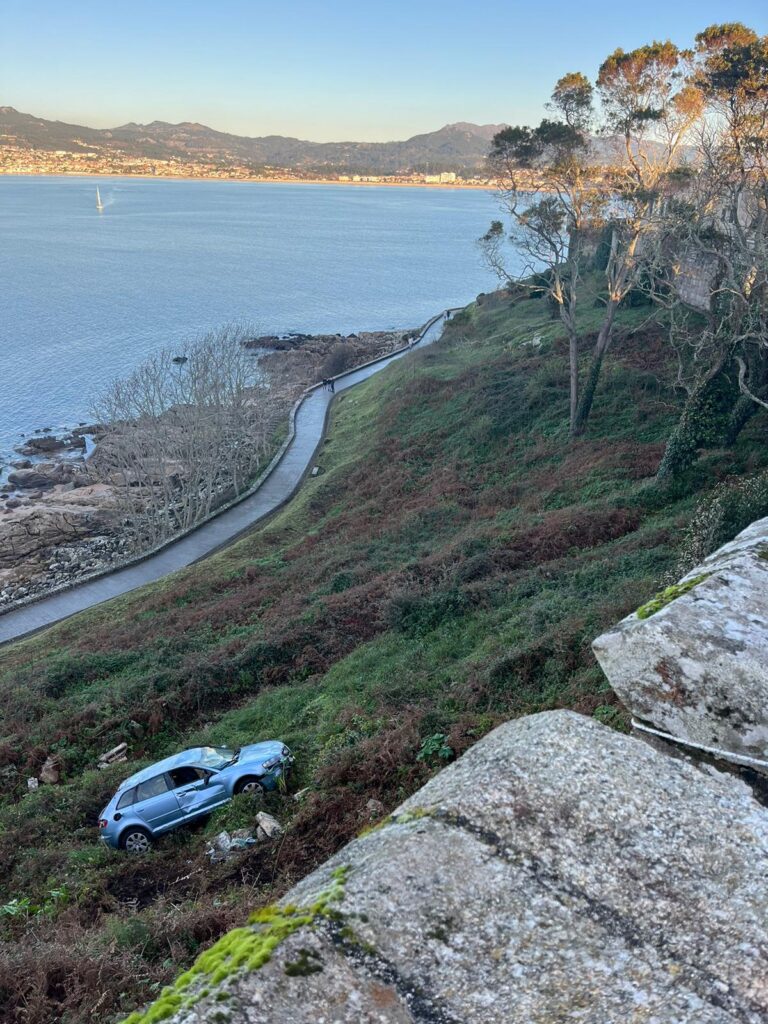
x=742, y=413
x=745, y=407
x=690, y=432
x=584, y=407
x=573, y=355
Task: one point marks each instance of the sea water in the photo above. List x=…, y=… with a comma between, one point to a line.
x=86, y=296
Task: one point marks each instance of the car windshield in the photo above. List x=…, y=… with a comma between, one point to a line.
x=216, y=757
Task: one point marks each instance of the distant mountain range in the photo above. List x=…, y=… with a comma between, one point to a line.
x=460, y=146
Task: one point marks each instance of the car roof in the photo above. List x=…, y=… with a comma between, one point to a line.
x=193, y=756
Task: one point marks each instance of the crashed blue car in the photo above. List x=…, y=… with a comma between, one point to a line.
x=187, y=786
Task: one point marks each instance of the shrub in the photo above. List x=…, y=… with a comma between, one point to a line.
x=418, y=614
x=435, y=748
x=726, y=511
x=340, y=358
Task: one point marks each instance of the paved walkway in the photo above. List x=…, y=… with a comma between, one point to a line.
x=275, y=490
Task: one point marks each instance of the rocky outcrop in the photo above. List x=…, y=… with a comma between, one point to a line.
x=41, y=477
x=51, y=443
x=559, y=871
x=32, y=531
x=694, y=660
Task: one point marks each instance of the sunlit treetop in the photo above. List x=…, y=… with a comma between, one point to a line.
x=728, y=35
x=572, y=98
x=645, y=85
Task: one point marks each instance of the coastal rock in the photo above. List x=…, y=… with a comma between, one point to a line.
x=694, y=661
x=558, y=871
x=50, y=773
x=42, y=477
x=270, y=826
x=50, y=443
x=31, y=479
x=31, y=531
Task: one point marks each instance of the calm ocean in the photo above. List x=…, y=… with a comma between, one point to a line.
x=86, y=296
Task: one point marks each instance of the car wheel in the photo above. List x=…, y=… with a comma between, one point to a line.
x=250, y=784
x=135, y=840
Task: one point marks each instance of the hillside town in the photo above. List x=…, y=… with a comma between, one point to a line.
x=16, y=159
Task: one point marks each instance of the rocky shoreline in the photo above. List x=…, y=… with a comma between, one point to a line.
x=59, y=518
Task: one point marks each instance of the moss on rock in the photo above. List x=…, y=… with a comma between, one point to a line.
x=665, y=597
x=242, y=949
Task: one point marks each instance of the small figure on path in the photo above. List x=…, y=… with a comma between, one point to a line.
x=332, y=383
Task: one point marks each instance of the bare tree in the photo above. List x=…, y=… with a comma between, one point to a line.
x=185, y=434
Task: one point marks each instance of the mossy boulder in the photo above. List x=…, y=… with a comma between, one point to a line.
x=693, y=660
x=557, y=871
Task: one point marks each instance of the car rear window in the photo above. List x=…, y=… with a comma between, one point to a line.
x=152, y=787
x=126, y=799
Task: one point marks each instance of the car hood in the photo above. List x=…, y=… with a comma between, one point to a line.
x=260, y=751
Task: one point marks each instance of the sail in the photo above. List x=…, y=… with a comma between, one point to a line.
x=99, y=204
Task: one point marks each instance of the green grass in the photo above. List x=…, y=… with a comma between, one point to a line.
x=446, y=570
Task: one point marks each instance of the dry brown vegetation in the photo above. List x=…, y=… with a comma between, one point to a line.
x=446, y=570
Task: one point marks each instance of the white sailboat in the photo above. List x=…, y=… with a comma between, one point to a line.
x=99, y=204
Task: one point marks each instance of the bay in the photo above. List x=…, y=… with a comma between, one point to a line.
x=86, y=296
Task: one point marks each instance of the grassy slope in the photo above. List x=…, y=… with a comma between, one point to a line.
x=446, y=570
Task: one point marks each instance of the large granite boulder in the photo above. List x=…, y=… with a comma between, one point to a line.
x=559, y=871
x=694, y=661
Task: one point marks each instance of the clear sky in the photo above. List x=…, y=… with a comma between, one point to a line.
x=325, y=71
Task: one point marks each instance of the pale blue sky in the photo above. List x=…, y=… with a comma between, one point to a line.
x=339, y=70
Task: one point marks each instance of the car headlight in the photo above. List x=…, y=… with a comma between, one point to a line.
x=273, y=762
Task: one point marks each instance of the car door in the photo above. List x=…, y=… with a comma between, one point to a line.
x=156, y=804
x=199, y=796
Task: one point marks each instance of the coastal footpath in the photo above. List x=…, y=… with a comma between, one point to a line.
x=69, y=503
x=273, y=488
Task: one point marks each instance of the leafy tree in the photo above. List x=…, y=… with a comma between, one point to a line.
x=548, y=192
x=651, y=108
x=720, y=227
x=560, y=193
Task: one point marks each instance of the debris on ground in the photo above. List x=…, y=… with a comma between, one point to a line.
x=116, y=755
x=32, y=784
x=270, y=826
x=227, y=844
x=301, y=794
x=375, y=809
x=223, y=842
x=50, y=773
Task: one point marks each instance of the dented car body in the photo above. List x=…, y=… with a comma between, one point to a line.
x=187, y=786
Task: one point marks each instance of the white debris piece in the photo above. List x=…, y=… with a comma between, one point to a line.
x=270, y=826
